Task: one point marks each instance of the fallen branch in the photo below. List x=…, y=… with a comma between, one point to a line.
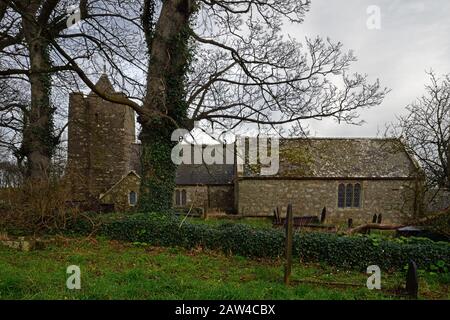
x=370, y=226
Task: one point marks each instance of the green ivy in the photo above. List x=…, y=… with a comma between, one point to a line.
x=357, y=252
x=158, y=169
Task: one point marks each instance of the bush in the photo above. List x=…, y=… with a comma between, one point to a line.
x=356, y=252
x=37, y=207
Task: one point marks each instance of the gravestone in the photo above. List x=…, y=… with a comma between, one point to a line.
x=380, y=218
x=279, y=214
x=350, y=223
x=324, y=215
x=412, y=281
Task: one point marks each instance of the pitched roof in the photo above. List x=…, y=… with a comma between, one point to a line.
x=132, y=172
x=202, y=174
x=104, y=85
x=192, y=174
x=341, y=158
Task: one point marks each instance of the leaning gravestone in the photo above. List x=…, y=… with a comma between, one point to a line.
x=412, y=281
x=324, y=215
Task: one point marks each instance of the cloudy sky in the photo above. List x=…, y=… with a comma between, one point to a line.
x=414, y=37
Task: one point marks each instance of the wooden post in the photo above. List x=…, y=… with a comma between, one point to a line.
x=289, y=241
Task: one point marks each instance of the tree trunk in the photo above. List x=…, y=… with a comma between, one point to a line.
x=165, y=106
x=39, y=141
x=448, y=164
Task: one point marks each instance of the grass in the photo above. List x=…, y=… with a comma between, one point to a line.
x=114, y=270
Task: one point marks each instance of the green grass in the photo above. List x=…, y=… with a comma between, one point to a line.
x=113, y=270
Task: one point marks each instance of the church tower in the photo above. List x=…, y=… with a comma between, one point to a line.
x=100, y=139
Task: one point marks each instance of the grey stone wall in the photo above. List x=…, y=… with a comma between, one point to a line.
x=119, y=194
x=394, y=199
x=221, y=199
x=99, y=144
x=196, y=196
x=212, y=198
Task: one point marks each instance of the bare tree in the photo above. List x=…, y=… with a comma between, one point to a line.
x=30, y=64
x=226, y=62
x=221, y=61
x=426, y=130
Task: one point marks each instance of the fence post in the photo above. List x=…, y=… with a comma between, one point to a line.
x=289, y=241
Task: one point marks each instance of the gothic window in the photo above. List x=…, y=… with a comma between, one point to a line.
x=341, y=196
x=357, y=196
x=180, y=197
x=132, y=198
x=349, y=196
x=177, y=198
x=183, y=197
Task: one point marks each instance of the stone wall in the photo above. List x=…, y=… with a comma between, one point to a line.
x=119, y=193
x=212, y=198
x=100, y=137
x=196, y=196
x=221, y=199
x=393, y=199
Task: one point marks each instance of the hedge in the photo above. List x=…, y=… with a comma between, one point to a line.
x=355, y=252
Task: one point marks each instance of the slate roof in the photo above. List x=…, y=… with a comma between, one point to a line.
x=192, y=174
x=201, y=174
x=340, y=158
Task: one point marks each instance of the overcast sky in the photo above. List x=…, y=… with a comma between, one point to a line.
x=414, y=37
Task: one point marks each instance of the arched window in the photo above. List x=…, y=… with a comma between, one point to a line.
x=357, y=196
x=177, y=198
x=341, y=196
x=183, y=197
x=132, y=198
x=349, y=196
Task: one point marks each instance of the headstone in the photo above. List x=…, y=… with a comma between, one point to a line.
x=324, y=215
x=350, y=223
x=279, y=214
x=380, y=218
x=374, y=219
x=412, y=281
x=289, y=244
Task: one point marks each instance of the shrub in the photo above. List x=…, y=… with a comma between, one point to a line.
x=356, y=252
x=37, y=207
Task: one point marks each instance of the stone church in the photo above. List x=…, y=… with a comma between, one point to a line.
x=352, y=177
